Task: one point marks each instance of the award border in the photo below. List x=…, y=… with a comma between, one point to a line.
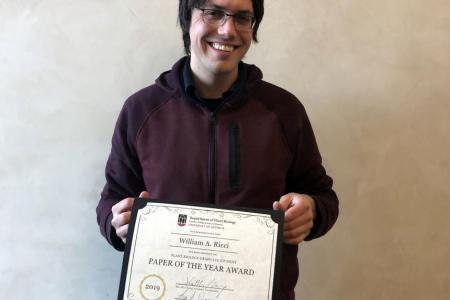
x=139, y=203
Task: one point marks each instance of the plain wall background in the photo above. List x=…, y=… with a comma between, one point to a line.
x=373, y=76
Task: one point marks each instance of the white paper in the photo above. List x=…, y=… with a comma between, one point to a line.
x=183, y=252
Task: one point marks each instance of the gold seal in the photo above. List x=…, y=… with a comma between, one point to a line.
x=152, y=287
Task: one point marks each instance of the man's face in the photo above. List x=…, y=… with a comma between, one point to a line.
x=216, y=50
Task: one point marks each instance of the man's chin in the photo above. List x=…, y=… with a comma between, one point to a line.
x=224, y=68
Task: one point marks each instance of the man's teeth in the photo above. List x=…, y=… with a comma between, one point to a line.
x=223, y=47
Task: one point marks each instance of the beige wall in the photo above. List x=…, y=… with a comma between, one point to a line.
x=373, y=76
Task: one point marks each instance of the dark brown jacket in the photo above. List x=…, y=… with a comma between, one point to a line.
x=257, y=146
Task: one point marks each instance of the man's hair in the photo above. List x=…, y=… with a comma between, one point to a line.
x=185, y=14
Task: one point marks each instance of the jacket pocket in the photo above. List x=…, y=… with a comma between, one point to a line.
x=235, y=159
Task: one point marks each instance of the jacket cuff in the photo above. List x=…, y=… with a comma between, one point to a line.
x=112, y=237
x=318, y=226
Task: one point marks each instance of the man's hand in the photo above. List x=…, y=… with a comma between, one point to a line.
x=121, y=215
x=300, y=211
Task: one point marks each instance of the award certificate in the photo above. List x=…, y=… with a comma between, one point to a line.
x=192, y=252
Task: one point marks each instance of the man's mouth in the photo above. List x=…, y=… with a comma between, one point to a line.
x=222, y=47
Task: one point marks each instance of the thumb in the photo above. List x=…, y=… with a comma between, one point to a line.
x=277, y=206
x=144, y=194
x=283, y=203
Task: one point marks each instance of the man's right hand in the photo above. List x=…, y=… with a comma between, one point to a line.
x=121, y=215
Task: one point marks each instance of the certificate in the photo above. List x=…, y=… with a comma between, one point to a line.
x=192, y=252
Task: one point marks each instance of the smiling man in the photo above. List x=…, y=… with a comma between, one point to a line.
x=218, y=42
x=211, y=130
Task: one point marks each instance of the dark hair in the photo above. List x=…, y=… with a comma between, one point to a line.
x=185, y=14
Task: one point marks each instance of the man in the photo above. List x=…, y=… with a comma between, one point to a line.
x=211, y=130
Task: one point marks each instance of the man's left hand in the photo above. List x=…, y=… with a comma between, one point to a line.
x=300, y=211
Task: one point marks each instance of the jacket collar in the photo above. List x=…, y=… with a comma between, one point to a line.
x=188, y=81
x=172, y=81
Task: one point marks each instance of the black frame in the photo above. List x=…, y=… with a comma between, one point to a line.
x=139, y=203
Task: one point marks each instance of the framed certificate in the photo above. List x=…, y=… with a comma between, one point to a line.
x=193, y=252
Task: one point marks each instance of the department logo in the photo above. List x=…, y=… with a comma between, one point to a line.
x=182, y=220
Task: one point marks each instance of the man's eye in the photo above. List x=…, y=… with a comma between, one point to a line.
x=244, y=19
x=214, y=14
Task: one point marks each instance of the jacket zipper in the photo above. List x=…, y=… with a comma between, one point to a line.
x=234, y=159
x=212, y=160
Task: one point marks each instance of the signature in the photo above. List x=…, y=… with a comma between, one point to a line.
x=200, y=289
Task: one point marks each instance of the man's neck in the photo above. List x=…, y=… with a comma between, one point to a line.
x=213, y=87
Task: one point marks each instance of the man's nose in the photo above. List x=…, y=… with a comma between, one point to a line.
x=228, y=28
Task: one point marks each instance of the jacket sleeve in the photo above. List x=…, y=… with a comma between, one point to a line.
x=123, y=175
x=308, y=176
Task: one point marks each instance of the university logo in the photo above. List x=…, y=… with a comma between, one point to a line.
x=182, y=220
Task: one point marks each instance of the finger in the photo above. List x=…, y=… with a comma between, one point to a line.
x=121, y=219
x=296, y=232
x=296, y=210
x=122, y=231
x=300, y=205
x=297, y=222
x=122, y=206
x=285, y=201
x=298, y=215
x=277, y=206
x=144, y=194
x=297, y=240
